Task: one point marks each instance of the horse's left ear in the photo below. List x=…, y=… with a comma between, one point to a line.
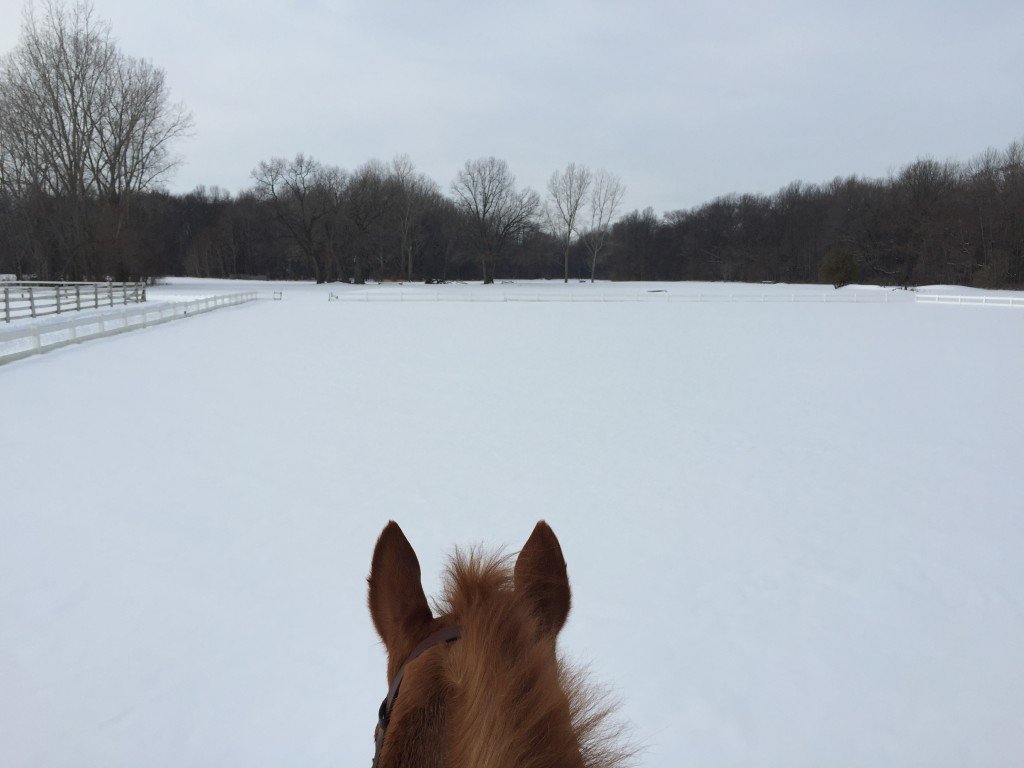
x=397, y=603
x=540, y=575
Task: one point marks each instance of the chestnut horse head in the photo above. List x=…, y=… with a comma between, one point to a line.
x=480, y=685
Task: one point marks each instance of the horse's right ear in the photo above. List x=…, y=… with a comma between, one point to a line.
x=541, y=577
x=397, y=604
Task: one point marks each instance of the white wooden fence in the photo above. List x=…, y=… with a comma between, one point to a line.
x=35, y=299
x=977, y=301
x=24, y=340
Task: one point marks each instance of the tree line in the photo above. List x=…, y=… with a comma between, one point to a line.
x=86, y=135
x=931, y=222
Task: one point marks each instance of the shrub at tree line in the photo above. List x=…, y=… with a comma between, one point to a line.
x=838, y=267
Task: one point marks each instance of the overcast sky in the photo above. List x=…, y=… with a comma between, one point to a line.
x=685, y=101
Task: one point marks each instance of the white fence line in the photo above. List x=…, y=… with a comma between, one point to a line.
x=881, y=297
x=977, y=301
x=36, y=299
x=24, y=341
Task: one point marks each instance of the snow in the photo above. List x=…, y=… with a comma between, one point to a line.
x=793, y=529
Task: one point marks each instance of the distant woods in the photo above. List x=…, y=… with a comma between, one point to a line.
x=86, y=140
x=932, y=222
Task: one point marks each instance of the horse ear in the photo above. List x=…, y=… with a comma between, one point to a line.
x=397, y=604
x=541, y=577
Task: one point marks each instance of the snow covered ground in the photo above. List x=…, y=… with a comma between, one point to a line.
x=794, y=530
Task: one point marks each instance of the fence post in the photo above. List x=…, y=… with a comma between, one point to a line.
x=7, y=304
x=32, y=299
x=78, y=298
x=110, y=293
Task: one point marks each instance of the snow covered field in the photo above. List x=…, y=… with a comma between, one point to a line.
x=794, y=529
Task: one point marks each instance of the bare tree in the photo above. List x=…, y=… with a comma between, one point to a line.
x=566, y=192
x=50, y=87
x=304, y=195
x=414, y=193
x=79, y=117
x=84, y=124
x=368, y=201
x=135, y=130
x=485, y=191
x=603, y=203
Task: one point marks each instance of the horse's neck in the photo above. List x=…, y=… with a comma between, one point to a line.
x=508, y=709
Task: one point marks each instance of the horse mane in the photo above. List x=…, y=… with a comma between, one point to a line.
x=514, y=700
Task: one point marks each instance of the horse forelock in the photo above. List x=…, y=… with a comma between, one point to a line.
x=513, y=701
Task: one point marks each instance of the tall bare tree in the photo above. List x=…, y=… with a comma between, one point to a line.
x=304, y=195
x=414, y=192
x=606, y=193
x=485, y=191
x=368, y=203
x=135, y=130
x=566, y=191
x=81, y=121
x=80, y=117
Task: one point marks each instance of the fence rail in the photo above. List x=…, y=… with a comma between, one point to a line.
x=977, y=301
x=26, y=340
x=873, y=297
x=33, y=299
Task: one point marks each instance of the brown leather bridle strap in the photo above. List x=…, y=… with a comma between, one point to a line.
x=446, y=635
